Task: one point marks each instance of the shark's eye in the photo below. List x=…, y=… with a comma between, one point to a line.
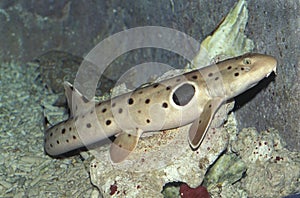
x=183, y=94
x=247, y=61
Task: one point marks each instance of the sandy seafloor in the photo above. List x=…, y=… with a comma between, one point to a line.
x=25, y=170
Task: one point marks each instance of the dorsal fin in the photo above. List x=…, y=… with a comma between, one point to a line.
x=200, y=126
x=124, y=144
x=76, y=101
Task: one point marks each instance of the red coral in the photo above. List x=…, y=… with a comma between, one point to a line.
x=199, y=192
x=113, y=189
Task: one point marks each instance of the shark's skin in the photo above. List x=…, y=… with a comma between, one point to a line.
x=193, y=97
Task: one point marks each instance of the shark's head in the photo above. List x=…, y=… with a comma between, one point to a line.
x=242, y=73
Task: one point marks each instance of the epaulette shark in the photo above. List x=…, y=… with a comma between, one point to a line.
x=193, y=97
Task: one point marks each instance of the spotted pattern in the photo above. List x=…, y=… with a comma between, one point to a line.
x=108, y=122
x=165, y=105
x=130, y=101
x=139, y=101
x=63, y=131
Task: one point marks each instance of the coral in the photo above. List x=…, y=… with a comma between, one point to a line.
x=228, y=168
x=228, y=39
x=158, y=159
x=198, y=192
x=272, y=170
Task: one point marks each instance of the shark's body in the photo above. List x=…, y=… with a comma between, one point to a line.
x=193, y=97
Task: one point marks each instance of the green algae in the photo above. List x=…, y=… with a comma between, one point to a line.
x=228, y=168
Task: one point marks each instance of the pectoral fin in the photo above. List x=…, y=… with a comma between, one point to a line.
x=123, y=145
x=200, y=126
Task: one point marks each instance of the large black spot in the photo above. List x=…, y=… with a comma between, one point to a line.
x=130, y=101
x=63, y=131
x=183, y=94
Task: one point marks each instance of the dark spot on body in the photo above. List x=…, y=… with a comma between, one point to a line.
x=155, y=85
x=104, y=110
x=147, y=101
x=57, y=141
x=113, y=104
x=148, y=121
x=139, y=111
x=229, y=67
x=82, y=116
x=242, y=68
x=165, y=105
x=217, y=78
x=51, y=145
x=51, y=134
x=210, y=74
x=88, y=125
x=130, y=101
x=108, y=122
x=70, y=128
x=209, y=106
x=74, y=137
x=236, y=74
x=194, y=77
x=178, y=79
x=168, y=87
x=67, y=140
x=140, y=92
x=63, y=131
x=92, y=112
x=120, y=110
x=129, y=135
